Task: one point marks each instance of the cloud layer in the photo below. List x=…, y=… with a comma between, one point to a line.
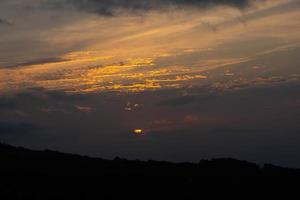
x=114, y=7
x=4, y=22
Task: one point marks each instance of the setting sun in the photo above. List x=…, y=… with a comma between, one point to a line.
x=138, y=131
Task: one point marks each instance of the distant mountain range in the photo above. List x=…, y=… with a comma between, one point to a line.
x=29, y=174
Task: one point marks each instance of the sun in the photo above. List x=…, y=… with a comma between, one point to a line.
x=137, y=131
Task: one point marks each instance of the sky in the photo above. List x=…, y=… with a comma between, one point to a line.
x=175, y=80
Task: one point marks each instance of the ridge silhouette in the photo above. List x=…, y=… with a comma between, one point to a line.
x=30, y=174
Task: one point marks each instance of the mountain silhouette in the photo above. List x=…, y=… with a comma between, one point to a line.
x=29, y=174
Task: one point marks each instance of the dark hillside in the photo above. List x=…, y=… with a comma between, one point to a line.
x=28, y=174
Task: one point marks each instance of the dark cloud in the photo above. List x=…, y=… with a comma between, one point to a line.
x=183, y=100
x=36, y=97
x=16, y=128
x=256, y=94
x=5, y=103
x=38, y=62
x=113, y=7
x=210, y=26
x=228, y=124
x=5, y=22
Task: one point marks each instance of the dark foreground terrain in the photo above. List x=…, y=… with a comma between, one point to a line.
x=28, y=174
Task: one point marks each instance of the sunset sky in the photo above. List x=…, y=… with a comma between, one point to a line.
x=176, y=80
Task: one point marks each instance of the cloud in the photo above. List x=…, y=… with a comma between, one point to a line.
x=39, y=61
x=36, y=98
x=115, y=7
x=179, y=101
x=5, y=22
x=84, y=109
x=264, y=91
x=16, y=128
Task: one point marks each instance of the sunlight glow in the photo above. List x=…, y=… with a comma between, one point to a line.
x=138, y=131
x=125, y=54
